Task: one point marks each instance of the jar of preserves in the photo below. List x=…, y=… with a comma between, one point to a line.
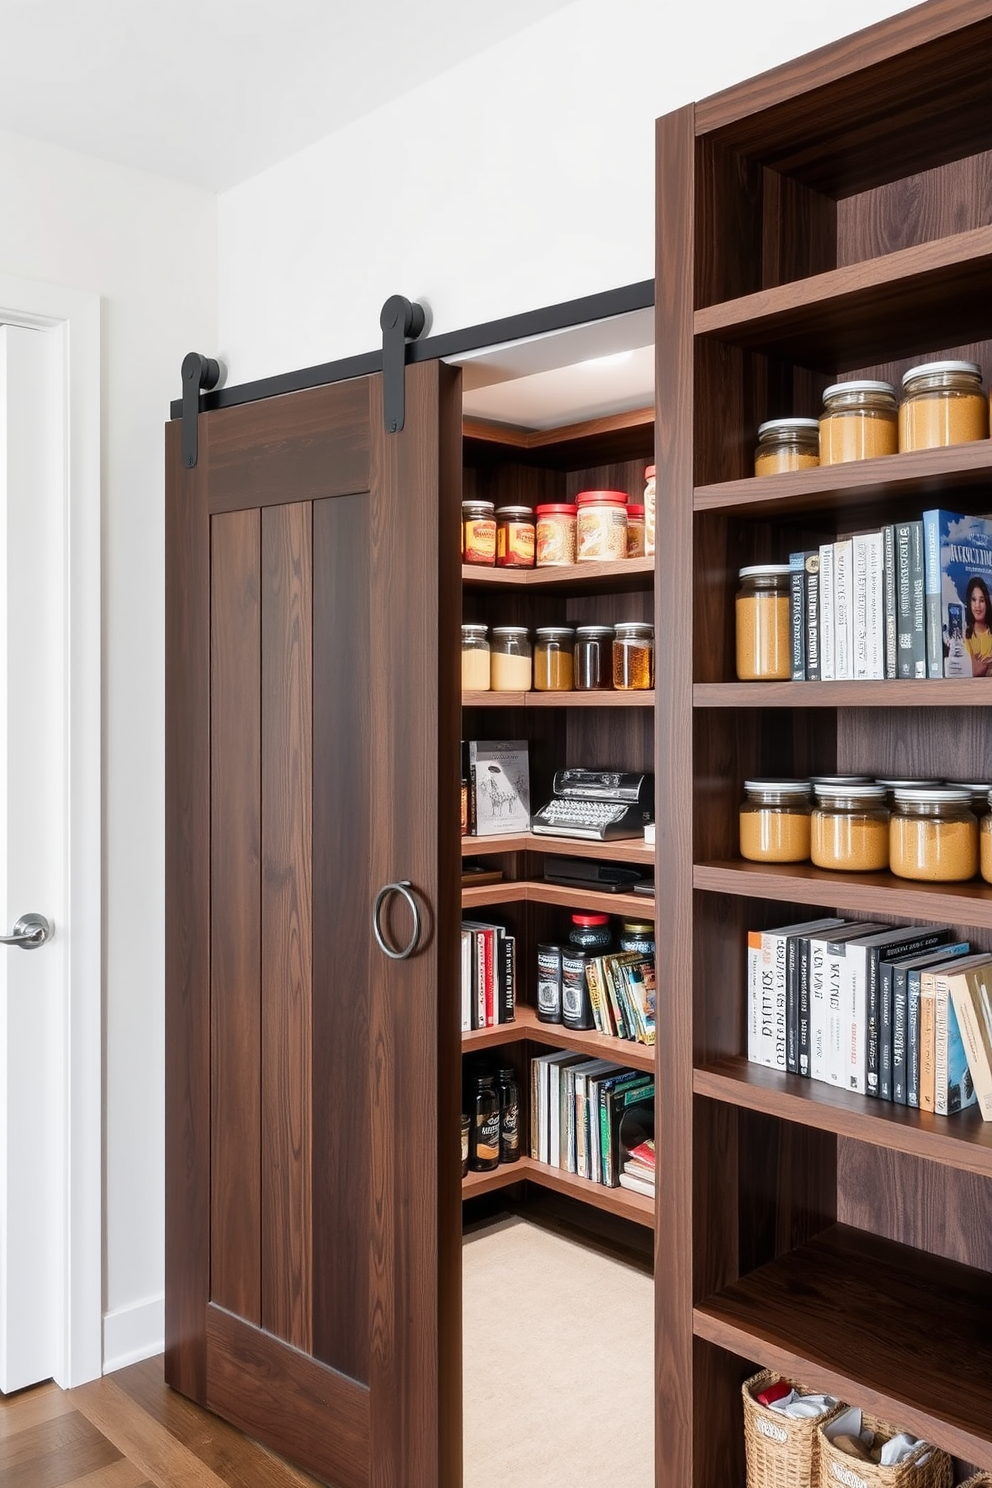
x=484, y=1141
x=553, y=658
x=475, y=658
x=555, y=535
x=635, y=530
x=933, y=834
x=764, y=644
x=649, y=510
x=637, y=935
x=985, y=841
x=510, y=662
x=593, y=668
x=514, y=537
x=591, y=932
x=942, y=403
x=787, y=444
x=633, y=656
x=601, y=526
x=859, y=421
x=849, y=828
x=509, y=1115
x=479, y=532
x=775, y=821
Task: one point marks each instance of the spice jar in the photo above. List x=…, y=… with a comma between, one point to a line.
x=601, y=526
x=553, y=670
x=591, y=932
x=479, y=532
x=637, y=935
x=593, y=669
x=787, y=444
x=985, y=841
x=775, y=821
x=514, y=537
x=555, y=535
x=933, y=834
x=849, y=828
x=764, y=644
x=635, y=530
x=475, y=659
x=633, y=657
x=891, y=786
x=510, y=659
x=859, y=421
x=942, y=403
x=649, y=508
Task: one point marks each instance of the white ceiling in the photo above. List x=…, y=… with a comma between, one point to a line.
x=214, y=91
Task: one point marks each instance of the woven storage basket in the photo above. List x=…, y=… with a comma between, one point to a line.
x=781, y=1452
x=839, y=1469
x=980, y=1480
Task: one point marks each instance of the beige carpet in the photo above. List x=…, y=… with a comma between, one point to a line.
x=558, y=1363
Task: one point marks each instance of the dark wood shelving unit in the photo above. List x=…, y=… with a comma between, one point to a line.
x=619, y=1201
x=827, y=220
x=526, y=1028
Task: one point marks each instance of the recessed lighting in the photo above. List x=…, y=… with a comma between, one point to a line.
x=608, y=361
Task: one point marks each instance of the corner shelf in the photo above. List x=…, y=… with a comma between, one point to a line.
x=527, y=1028
x=619, y=1201
x=579, y=578
x=619, y=851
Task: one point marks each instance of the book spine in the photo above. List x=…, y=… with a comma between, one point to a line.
x=466, y=981
x=919, y=600
x=873, y=1020
x=843, y=609
x=508, y=978
x=931, y=585
x=928, y=1048
x=775, y=947
x=853, y=1057
x=817, y=1009
x=940, y=1041
x=885, y=1032
x=792, y=1004
x=480, y=978
x=904, y=600
x=813, y=617
x=837, y=971
x=859, y=626
x=912, y=1038
x=797, y=615
x=966, y=994
x=581, y=1138
x=875, y=605
x=889, y=593
x=802, y=956
x=899, y=1032
x=490, y=937
x=827, y=672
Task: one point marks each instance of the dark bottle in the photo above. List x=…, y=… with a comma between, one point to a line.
x=548, y=984
x=484, y=1150
x=576, y=1004
x=509, y=1115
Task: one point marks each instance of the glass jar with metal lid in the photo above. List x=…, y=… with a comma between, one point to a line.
x=475, y=659
x=891, y=786
x=775, y=821
x=787, y=444
x=764, y=644
x=553, y=658
x=978, y=789
x=637, y=935
x=942, y=403
x=860, y=420
x=635, y=530
x=514, y=537
x=479, y=532
x=594, y=658
x=933, y=834
x=633, y=656
x=849, y=828
x=511, y=666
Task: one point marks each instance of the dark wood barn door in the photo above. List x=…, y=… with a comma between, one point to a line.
x=313, y=1200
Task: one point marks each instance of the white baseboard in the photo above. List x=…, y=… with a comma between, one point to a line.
x=133, y=1333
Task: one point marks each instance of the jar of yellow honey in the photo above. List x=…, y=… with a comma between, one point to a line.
x=849, y=828
x=859, y=421
x=787, y=444
x=775, y=821
x=933, y=834
x=942, y=404
x=764, y=645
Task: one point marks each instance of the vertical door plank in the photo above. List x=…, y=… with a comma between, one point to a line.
x=287, y=936
x=235, y=908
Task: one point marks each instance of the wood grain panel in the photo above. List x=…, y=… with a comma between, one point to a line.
x=235, y=914
x=799, y=230
x=287, y=924
x=296, y=447
x=48, y=1454
x=915, y=744
x=788, y=1189
x=187, y=937
x=288, y=1401
x=916, y=209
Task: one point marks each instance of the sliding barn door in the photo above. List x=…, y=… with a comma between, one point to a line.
x=312, y=1102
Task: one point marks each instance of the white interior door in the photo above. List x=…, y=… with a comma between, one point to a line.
x=35, y=850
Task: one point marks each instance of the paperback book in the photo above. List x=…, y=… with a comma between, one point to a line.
x=958, y=569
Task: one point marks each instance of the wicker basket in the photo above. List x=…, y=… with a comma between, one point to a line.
x=838, y=1469
x=980, y=1480
x=781, y=1452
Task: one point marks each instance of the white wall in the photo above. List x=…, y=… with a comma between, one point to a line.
x=148, y=246
x=521, y=178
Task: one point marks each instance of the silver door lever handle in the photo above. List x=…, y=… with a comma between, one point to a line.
x=31, y=931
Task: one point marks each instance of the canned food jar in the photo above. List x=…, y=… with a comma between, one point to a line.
x=775, y=821
x=594, y=658
x=555, y=535
x=635, y=530
x=933, y=834
x=553, y=659
x=601, y=526
x=942, y=403
x=764, y=644
x=514, y=537
x=637, y=935
x=649, y=510
x=633, y=657
x=849, y=828
x=787, y=444
x=977, y=789
x=985, y=841
x=511, y=665
x=479, y=532
x=475, y=659
x=859, y=421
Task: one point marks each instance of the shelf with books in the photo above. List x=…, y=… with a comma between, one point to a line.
x=527, y=1027
x=905, y=1334
x=619, y=1201
x=942, y=692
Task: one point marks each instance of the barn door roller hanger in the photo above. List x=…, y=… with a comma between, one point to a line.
x=401, y=320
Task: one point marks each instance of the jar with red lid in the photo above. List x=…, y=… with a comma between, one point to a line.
x=514, y=537
x=555, y=535
x=601, y=526
x=635, y=530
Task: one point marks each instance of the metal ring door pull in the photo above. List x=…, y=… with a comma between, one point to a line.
x=31, y=931
x=380, y=940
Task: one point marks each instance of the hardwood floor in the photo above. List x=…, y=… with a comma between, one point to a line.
x=128, y=1430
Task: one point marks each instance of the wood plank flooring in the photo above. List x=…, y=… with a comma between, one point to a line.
x=129, y=1430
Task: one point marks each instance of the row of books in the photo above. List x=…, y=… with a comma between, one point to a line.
x=622, y=993
x=576, y=1109
x=908, y=600
x=488, y=975
x=873, y=1009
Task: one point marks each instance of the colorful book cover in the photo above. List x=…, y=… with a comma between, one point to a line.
x=500, y=785
x=958, y=558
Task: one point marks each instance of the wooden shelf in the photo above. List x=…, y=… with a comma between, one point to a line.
x=905, y=1334
x=963, y=1141
x=944, y=692
x=619, y=1201
x=527, y=1028
x=633, y=851
x=967, y=903
x=637, y=906
x=616, y=436
x=578, y=578
x=558, y=699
